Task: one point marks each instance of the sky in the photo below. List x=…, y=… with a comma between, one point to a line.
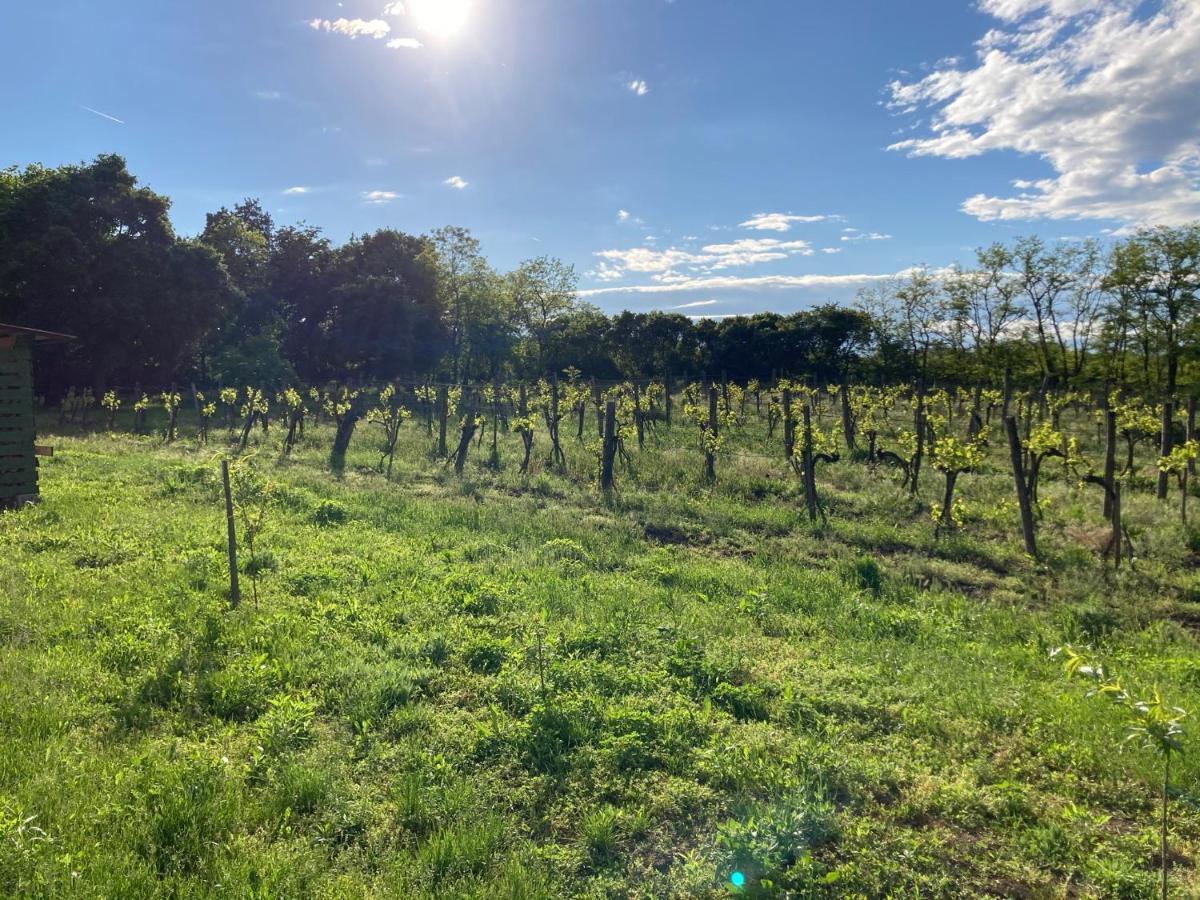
x=714, y=157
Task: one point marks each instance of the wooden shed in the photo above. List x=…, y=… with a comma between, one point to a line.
x=18, y=431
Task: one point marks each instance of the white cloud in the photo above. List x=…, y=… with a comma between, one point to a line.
x=456, y=182
x=639, y=87
x=378, y=198
x=778, y=221
x=1105, y=91
x=663, y=264
x=622, y=215
x=299, y=189
x=731, y=282
x=268, y=95
x=856, y=235
x=831, y=249
x=394, y=9
x=749, y=251
x=405, y=44
x=353, y=28
x=695, y=304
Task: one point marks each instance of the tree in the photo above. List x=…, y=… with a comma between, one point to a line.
x=643, y=345
x=985, y=303
x=542, y=292
x=1045, y=277
x=381, y=317
x=246, y=347
x=84, y=250
x=460, y=267
x=302, y=272
x=1158, y=271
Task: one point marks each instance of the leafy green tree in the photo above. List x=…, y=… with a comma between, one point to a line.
x=1158, y=272
x=543, y=293
x=85, y=250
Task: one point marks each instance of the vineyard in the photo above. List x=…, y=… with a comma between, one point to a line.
x=664, y=638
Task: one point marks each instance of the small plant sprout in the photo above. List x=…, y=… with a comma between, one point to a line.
x=1150, y=723
x=254, y=408
x=205, y=410
x=229, y=400
x=253, y=497
x=1180, y=462
x=170, y=402
x=389, y=414
x=952, y=457
x=111, y=402
x=140, y=406
x=525, y=426
x=293, y=402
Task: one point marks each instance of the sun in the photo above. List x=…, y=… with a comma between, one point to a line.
x=440, y=17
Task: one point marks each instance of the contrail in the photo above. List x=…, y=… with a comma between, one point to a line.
x=103, y=115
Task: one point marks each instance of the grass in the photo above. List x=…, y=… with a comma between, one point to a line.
x=503, y=687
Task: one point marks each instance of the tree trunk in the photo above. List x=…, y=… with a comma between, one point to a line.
x=464, y=438
x=345, y=431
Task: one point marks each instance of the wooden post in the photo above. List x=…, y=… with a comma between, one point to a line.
x=1116, y=524
x=556, y=454
x=847, y=418
x=1110, y=459
x=443, y=403
x=1191, y=430
x=919, y=428
x=810, y=480
x=789, y=428
x=1018, y=467
x=637, y=416
x=1165, y=446
x=710, y=469
x=235, y=595
x=599, y=409
x=609, y=454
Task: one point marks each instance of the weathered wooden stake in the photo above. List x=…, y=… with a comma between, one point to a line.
x=807, y=460
x=443, y=403
x=1018, y=467
x=710, y=467
x=1116, y=524
x=1165, y=446
x=609, y=454
x=789, y=428
x=235, y=595
x=1191, y=431
x=1110, y=459
x=847, y=418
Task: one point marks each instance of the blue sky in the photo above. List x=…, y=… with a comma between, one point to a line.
x=718, y=156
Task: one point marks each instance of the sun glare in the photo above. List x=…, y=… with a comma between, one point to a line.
x=440, y=17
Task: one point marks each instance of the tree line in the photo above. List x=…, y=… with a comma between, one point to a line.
x=85, y=250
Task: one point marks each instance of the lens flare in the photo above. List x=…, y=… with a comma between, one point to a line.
x=440, y=17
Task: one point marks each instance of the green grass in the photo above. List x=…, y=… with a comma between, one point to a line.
x=503, y=687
